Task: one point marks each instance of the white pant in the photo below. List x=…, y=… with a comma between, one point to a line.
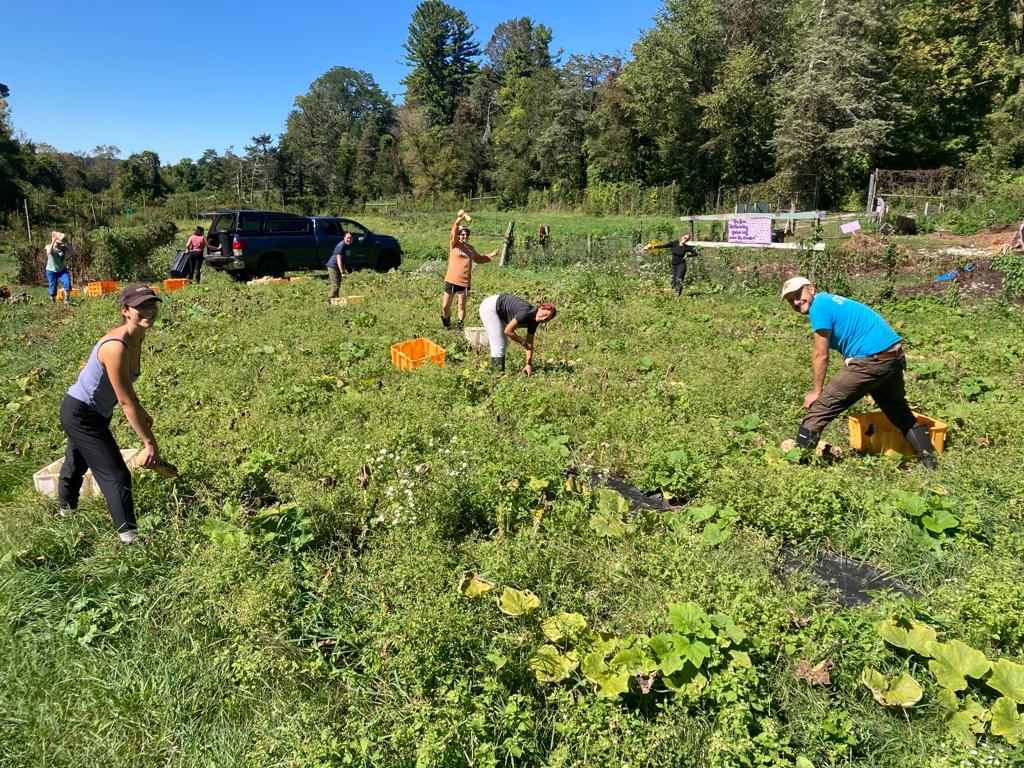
x=493, y=325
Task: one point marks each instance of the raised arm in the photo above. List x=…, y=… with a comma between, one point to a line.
x=453, y=238
x=115, y=360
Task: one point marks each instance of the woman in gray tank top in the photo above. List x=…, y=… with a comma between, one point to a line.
x=106, y=380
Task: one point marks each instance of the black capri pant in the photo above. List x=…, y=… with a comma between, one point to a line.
x=91, y=446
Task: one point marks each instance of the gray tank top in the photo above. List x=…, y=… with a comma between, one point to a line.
x=93, y=386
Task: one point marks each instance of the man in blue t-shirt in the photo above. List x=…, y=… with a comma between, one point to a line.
x=873, y=364
x=336, y=265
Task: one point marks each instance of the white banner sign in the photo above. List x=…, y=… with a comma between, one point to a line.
x=750, y=231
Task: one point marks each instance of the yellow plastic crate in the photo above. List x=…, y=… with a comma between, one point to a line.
x=408, y=355
x=872, y=432
x=155, y=288
x=101, y=287
x=175, y=283
x=477, y=337
x=347, y=301
x=47, y=478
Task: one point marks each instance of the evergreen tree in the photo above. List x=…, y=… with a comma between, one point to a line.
x=441, y=52
x=836, y=109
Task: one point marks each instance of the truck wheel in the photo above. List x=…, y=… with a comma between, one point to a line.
x=272, y=266
x=387, y=261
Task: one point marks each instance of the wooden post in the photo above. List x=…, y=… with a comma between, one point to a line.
x=28, y=224
x=506, y=246
x=590, y=246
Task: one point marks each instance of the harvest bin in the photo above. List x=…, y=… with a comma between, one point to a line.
x=46, y=479
x=872, y=432
x=101, y=287
x=477, y=337
x=347, y=301
x=416, y=352
x=175, y=283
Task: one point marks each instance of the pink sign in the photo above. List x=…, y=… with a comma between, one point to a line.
x=850, y=227
x=750, y=231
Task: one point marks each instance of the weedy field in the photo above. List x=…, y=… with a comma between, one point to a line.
x=363, y=566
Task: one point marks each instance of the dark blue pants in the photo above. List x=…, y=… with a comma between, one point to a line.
x=91, y=446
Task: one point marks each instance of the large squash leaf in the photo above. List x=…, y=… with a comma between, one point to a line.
x=563, y=625
x=515, y=602
x=1008, y=678
x=953, y=662
x=1006, y=720
x=550, y=665
x=911, y=635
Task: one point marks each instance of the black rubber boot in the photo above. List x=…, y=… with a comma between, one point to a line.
x=458, y=325
x=499, y=363
x=920, y=440
x=807, y=439
x=446, y=321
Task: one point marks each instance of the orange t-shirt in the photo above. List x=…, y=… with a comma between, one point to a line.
x=460, y=264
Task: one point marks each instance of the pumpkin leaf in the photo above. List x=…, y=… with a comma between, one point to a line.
x=472, y=585
x=911, y=635
x=953, y=662
x=609, y=525
x=669, y=659
x=635, y=656
x=612, y=502
x=1008, y=678
x=1006, y=720
x=551, y=665
x=563, y=625
x=514, y=602
x=728, y=627
x=689, y=619
x=967, y=723
x=904, y=691
x=939, y=521
x=741, y=659
x=611, y=681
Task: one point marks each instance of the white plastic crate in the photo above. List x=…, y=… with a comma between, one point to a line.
x=477, y=338
x=47, y=478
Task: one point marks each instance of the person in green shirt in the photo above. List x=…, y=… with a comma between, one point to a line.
x=56, y=266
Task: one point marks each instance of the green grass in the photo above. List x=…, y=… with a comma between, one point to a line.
x=331, y=631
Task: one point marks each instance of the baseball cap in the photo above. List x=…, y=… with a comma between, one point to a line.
x=793, y=285
x=137, y=293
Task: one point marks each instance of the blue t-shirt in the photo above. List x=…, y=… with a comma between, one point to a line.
x=333, y=261
x=857, y=330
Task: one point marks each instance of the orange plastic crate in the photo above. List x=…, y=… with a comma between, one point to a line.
x=872, y=432
x=155, y=288
x=74, y=292
x=175, y=283
x=101, y=287
x=411, y=354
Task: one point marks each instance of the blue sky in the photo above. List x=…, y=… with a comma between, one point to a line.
x=180, y=77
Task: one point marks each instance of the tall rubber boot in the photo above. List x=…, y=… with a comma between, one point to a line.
x=920, y=440
x=446, y=321
x=499, y=363
x=807, y=439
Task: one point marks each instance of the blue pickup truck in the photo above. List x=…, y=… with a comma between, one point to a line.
x=260, y=243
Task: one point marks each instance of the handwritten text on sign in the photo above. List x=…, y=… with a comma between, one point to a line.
x=750, y=231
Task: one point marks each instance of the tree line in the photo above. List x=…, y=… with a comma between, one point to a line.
x=717, y=94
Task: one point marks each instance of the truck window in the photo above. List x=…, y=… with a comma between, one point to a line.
x=224, y=222
x=287, y=226
x=330, y=228
x=248, y=222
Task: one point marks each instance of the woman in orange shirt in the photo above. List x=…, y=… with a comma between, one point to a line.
x=461, y=257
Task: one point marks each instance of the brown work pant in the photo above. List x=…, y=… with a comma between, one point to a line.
x=334, y=277
x=882, y=379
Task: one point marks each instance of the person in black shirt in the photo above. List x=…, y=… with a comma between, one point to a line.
x=502, y=315
x=680, y=250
